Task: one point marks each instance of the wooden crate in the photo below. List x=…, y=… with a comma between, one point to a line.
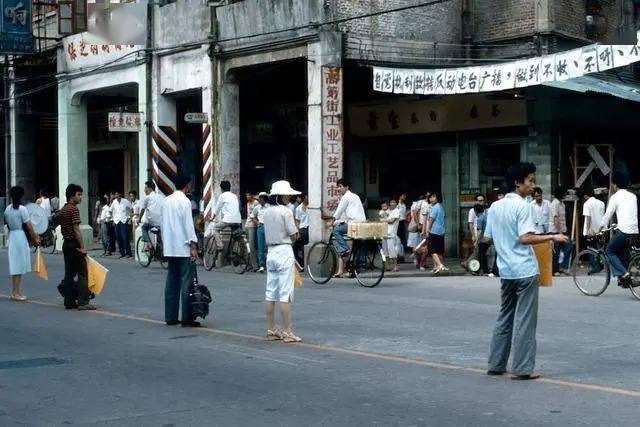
x=368, y=230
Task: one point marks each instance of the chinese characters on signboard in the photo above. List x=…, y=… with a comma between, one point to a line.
x=15, y=26
x=80, y=54
x=331, y=137
x=125, y=122
x=528, y=72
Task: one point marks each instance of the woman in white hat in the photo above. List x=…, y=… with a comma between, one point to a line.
x=280, y=234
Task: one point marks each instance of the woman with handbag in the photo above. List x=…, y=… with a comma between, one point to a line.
x=17, y=219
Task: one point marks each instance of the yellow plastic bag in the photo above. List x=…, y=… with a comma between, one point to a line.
x=39, y=266
x=96, y=275
x=544, y=256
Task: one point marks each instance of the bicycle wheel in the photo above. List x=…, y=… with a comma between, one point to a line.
x=53, y=237
x=634, y=270
x=159, y=253
x=590, y=272
x=240, y=255
x=209, y=256
x=322, y=262
x=369, y=263
x=142, y=252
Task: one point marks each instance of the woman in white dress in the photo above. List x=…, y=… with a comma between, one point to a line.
x=19, y=255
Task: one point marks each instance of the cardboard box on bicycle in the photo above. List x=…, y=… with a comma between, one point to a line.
x=544, y=256
x=368, y=230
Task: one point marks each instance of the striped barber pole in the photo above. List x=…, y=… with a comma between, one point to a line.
x=165, y=157
x=207, y=170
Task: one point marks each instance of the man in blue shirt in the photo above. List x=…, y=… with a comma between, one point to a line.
x=434, y=231
x=510, y=225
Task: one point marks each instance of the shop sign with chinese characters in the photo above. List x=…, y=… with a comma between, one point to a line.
x=508, y=75
x=125, y=122
x=15, y=27
x=332, y=150
x=79, y=53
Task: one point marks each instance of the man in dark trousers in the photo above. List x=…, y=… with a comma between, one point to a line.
x=510, y=225
x=179, y=244
x=75, y=262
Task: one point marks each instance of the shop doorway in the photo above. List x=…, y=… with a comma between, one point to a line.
x=494, y=159
x=190, y=141
x=411, y=171
x=273, y=125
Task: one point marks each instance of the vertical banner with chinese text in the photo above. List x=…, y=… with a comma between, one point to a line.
x=332, y=137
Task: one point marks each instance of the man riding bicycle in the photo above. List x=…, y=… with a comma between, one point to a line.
x=349, y=211
x=227, y=210
x=150, y=211
x=624, y=205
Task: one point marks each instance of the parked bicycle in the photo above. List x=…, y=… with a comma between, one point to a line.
x=591, y=272
x=48, y=240
x=235, y=251
x=366, y=262
x=145, y=254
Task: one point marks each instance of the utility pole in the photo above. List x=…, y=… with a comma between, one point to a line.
x=7, y=124
x=149, y=85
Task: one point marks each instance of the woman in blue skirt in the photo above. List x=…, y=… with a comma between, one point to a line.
x=15, y=216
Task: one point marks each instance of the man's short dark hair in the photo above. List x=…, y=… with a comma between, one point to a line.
x=435, y=194
x=479, y=195
x=620, y=178
x=343, y=182
x=225, y=186
x=559, y=192
x=181, y=181
x=537, y=190
x=151, y=185
x=587, y=190
x=135, y=193
x=518, y=173
x=72, y=189
x=44, y=193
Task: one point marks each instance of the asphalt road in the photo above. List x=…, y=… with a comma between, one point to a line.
x=409, y=352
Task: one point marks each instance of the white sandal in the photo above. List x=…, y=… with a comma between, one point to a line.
x=290, y=337
x=274, y=335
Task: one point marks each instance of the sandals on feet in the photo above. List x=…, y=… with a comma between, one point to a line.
x=290, y=337
x=274, y=335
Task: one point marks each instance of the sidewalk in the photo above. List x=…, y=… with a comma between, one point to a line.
x=408, y=269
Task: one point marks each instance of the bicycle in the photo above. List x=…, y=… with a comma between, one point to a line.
x=145, y=254
x=366, y=262
x=591, y=272
x=236, y=252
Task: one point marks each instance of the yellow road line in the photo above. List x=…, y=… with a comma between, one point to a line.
x=374, y=356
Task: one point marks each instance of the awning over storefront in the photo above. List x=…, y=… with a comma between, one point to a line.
x=619, y=85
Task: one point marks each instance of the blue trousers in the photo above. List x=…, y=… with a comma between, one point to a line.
x=262, y=246
x=122, y=234
x=177, y=287
x=517, y=323
x=616, y=253
x=566, y=249
x=338, y=233
x=106, y=236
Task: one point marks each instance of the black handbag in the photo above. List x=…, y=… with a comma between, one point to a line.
x=199, y=297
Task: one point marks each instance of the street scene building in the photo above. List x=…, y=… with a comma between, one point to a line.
x=255, y=70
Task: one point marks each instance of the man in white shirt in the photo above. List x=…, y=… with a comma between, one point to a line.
x=393, y=220
x=558, y=225
x=227, y=212
x=135, y=208
x=280, y=234
x=302, y=221
x=472, y=221
x=180, y=248
x=44, y=203
x=121, y=211
x=257, y=216
x=150, y=211
x=624, y=205
x=349, y=210
x=540, y=209
x=593, y=212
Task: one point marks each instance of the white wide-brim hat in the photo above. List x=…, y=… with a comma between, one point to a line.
x=283, y=188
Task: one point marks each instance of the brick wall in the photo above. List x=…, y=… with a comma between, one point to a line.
x=441, y=23
x=497, y=19
x=569, y=16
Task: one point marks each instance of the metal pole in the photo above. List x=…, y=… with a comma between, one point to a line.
x=7, y=125
x=149, y=85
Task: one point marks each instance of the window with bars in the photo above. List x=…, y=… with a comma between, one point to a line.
x=72, y=16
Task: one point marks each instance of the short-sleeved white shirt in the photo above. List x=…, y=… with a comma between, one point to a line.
x=279, y=225
x=594, y=209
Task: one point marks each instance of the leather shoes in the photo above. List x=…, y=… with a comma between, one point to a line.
x=86, y=307
x=525, y=377
x=172, y=322
x=192, y=324
x=495, y=373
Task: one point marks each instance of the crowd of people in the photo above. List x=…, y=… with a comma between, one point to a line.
x=277, y=224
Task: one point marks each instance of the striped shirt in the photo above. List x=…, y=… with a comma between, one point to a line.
x=69, y=216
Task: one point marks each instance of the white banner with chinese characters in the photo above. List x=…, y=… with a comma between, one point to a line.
x=125, y=122
x=332, y=132
x=80, y=54
x=509, y=75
